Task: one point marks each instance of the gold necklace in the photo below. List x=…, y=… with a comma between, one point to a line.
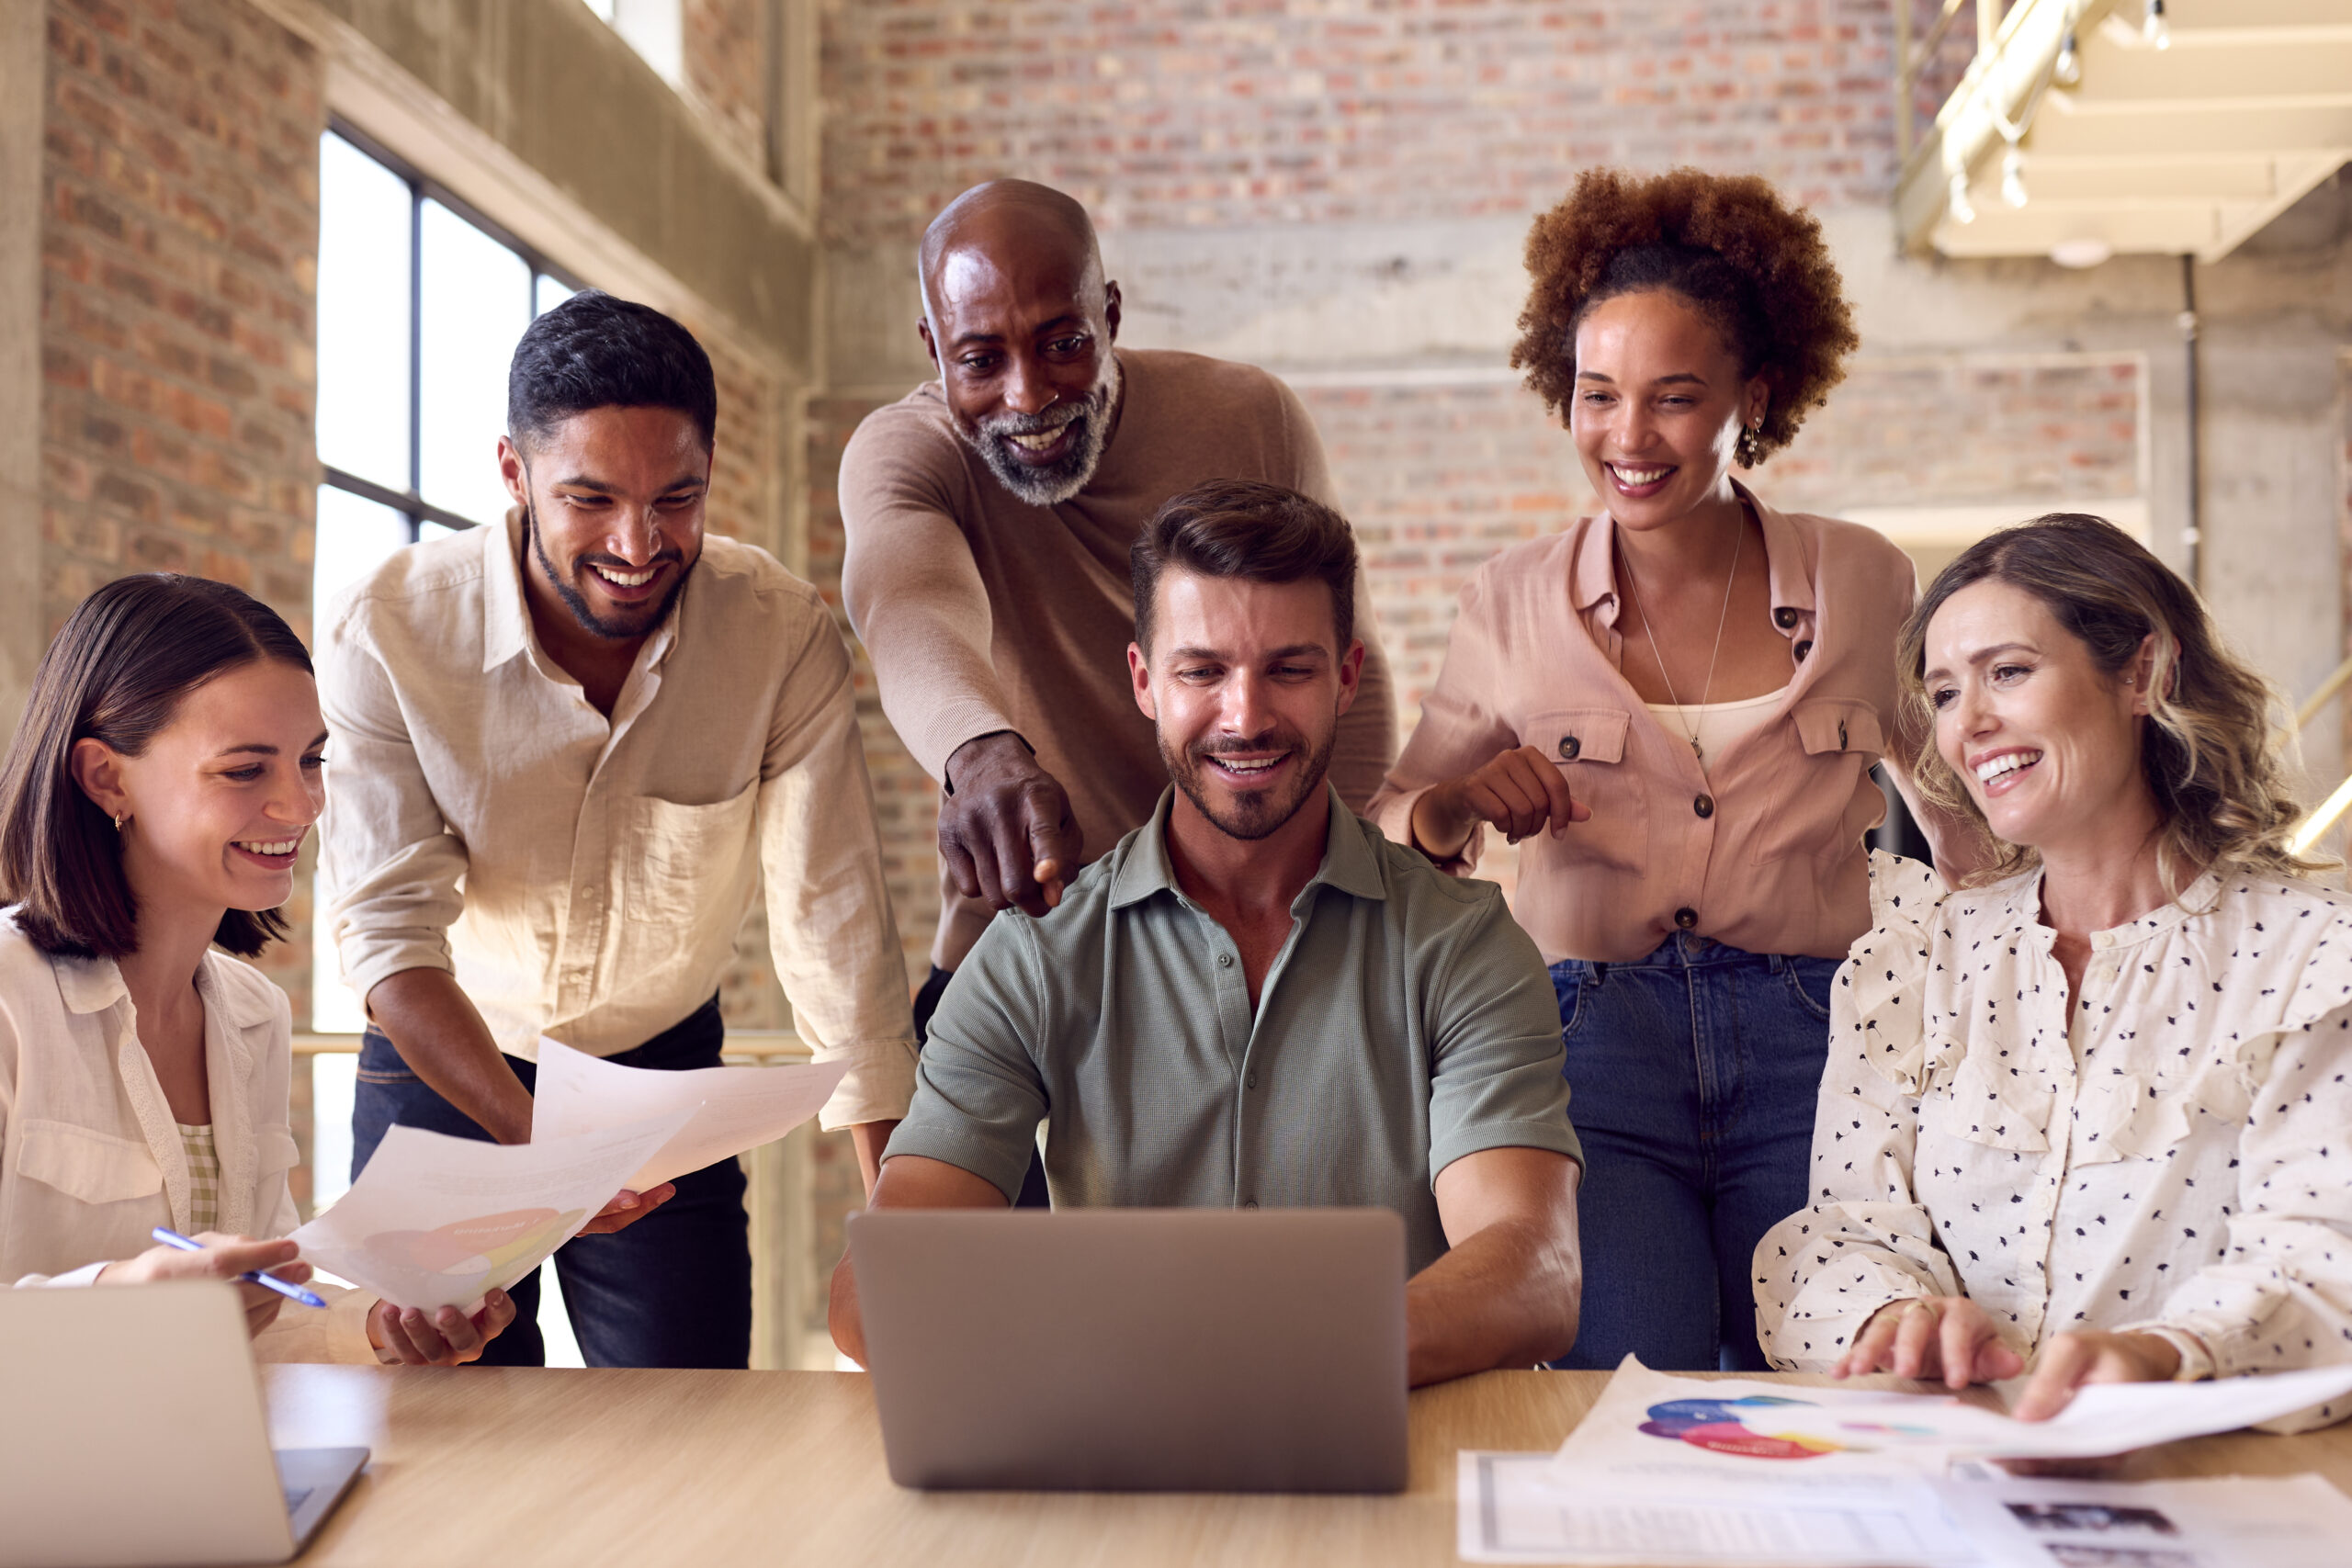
x=1690, y=731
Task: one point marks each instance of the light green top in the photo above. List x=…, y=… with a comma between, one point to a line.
x=203, y=1177
x=1407, y=1021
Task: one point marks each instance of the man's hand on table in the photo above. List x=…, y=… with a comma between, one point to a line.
x=1006, y=828
x=909, y=1182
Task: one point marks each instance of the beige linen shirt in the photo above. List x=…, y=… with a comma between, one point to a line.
x=984, y=613
x=1763, y=847
x=2171, y=1156
x=585, y=878
x=91, y=1161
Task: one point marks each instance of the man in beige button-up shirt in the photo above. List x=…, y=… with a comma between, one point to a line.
x=563, y=752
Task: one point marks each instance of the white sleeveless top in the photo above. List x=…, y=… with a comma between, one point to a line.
x=1715, y=724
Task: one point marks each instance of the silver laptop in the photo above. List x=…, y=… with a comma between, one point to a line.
x=1137, y=1349
x=133, y=1438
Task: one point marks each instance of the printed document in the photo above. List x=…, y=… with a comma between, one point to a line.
x=730, y=1109
x=435, y=1221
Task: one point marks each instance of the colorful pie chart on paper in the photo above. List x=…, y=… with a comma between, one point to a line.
x=1740, y=1427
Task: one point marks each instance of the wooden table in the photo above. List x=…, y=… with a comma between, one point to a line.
x=498, y=1466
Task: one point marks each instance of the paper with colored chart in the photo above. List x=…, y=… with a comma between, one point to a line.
x=435, y=1221
x=730, y=1109
x=1706, y=1438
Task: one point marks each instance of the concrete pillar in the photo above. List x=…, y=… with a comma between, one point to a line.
x=24, y=97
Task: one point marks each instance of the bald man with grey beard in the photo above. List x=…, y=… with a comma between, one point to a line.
x=989, y=516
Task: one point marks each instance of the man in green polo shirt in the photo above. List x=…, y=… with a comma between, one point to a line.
x=1255, y=1000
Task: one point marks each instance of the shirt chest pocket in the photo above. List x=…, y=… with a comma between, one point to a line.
x=1827, y=805
x=1588, y=745
x=87, y=1165
x=678, y=857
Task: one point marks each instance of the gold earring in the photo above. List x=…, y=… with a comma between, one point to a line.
x=120, y=820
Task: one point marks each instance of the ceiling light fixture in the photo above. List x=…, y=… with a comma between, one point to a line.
x=2068, y=70
x=2080, y=253
x=2154, y=30
x=2012, y=177
x=1963, y=210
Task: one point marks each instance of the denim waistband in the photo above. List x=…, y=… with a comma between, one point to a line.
x=1683, y=951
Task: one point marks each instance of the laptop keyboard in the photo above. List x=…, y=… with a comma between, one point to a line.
x=295, y=1497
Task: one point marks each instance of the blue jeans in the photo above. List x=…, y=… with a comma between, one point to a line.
x=1693, y=1074
x=674, y=1290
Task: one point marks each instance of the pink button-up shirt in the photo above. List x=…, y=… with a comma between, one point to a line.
x=1764, y=850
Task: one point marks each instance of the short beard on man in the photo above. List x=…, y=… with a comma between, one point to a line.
x=643, y=623
x=1066, y=475
x=1254, y=813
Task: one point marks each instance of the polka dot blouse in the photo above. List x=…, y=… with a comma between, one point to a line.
x=2178, y=1152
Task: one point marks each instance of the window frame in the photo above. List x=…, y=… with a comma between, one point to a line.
x=410, y=503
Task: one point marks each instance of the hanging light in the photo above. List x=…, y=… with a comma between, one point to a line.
x=1963, y=210
x=2068, y=70
x=2154, y=29
x=2012, y=177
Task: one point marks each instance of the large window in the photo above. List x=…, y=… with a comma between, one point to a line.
x=420, y=301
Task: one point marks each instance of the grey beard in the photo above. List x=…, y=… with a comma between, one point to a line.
x=1052, y=485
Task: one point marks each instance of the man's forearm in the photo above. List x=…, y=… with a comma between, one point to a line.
x=1505, y=1297
x=870, y=1138
x=442, y=1039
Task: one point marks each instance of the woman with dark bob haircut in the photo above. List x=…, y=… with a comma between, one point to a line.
x=152, y=804
x=1710, y=680
x=2086, y=1111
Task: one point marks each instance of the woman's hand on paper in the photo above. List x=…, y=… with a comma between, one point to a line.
x=223, y=1258
x=1946, y=1338
x=627, y=1208
x=1521, y=792
x=443, y=1337
x=2069, y=1360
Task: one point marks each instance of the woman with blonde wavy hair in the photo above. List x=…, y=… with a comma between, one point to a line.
x=2085, y=1112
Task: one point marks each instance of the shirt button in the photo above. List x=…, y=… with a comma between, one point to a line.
x=1569, y=747
x=1252, y=1080
x=1802, y=648
x=1784, y=617
x=1225, y=961
x=1704, y=806
x=1686, y=917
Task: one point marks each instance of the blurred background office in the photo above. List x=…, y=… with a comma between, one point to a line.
x=262, y=263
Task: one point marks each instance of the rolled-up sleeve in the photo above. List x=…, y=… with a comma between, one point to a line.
x=830, y=930
x=979, y=1097
x=1495, y=1049
x=393, y=870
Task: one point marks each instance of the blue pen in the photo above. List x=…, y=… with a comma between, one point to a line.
x=170, y=1237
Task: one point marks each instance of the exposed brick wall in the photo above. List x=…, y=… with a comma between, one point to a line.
x=1243, y=111
x=725, y=49
x=179, y=246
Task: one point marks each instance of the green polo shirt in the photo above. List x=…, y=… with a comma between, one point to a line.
x=1407, y=1021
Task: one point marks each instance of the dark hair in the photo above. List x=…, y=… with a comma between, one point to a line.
x=2213, y=751
x=1755, y=266
x=594, y=351
x=128, y=656
x=1248, y=529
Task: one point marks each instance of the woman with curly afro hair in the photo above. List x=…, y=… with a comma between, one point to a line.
x=1676, y=705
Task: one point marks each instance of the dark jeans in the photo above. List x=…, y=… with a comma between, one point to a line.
x=674, y=1290
x=1695, y=1072
x=1033, y=1181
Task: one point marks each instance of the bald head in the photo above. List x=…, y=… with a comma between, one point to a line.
x=1020, y=319
x=1013, y=227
